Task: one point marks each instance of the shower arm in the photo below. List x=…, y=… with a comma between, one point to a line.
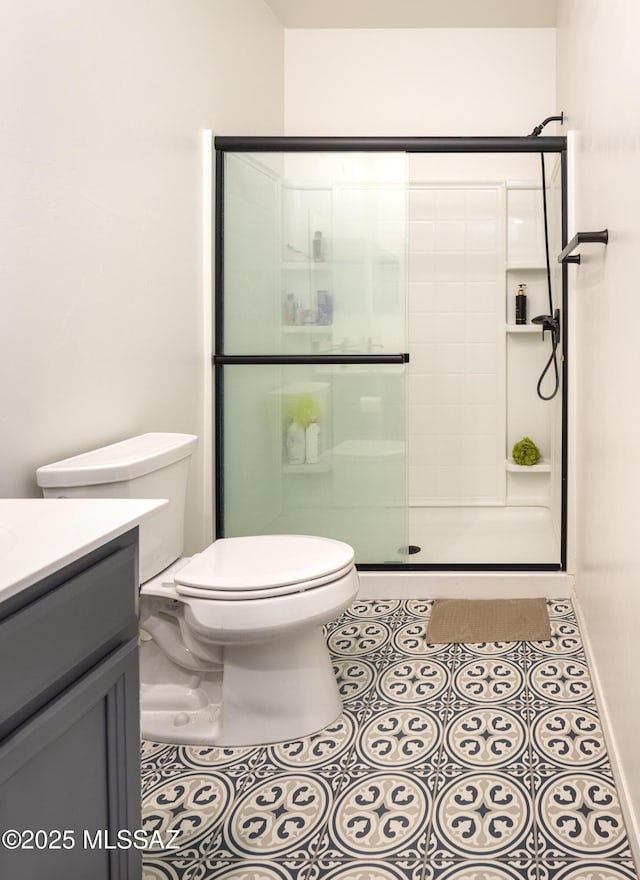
x=538, y=129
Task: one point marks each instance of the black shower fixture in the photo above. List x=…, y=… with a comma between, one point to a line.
x=551, y=323
x=538, y=129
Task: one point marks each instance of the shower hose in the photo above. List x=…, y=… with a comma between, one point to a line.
x=551, y=321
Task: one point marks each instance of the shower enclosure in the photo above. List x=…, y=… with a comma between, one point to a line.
x=371, y=380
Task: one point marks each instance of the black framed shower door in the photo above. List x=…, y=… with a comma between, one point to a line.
x=311, y=337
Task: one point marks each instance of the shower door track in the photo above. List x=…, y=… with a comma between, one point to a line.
x=520, y=144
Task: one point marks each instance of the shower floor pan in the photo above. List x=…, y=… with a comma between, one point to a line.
x=474, y=536
x=445, y=535
x=483, y=535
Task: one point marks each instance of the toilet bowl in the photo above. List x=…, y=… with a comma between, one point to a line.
x=232, y=650
x=250, y=611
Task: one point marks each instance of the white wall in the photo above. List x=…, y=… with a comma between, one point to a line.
x=103, y=331
x=598, y=84
x=423, y=82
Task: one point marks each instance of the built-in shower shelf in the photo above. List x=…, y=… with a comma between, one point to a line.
x=525, y=266
x=305, y=329
x=543, y=467
x=305, y=264
x=322, y=467
x=524, y=328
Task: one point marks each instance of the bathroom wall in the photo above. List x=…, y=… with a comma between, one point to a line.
x=598, y=87
x=105, y=324
x=440, y=81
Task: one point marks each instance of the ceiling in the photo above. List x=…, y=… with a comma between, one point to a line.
x=414, y=13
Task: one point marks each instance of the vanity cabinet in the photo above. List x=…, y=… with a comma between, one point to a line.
x=69, y=719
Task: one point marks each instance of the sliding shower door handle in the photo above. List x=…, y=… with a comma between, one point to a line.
x=233, y=359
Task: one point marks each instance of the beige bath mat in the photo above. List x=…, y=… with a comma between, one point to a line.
x=488, y=620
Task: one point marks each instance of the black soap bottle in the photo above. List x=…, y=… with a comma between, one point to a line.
x=521, y=305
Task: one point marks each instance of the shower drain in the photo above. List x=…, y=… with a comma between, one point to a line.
x=409, y=549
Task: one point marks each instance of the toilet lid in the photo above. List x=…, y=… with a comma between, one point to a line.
x=264, y=565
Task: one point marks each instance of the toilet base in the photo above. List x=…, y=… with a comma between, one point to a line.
x=269, y=692
x=186, y=722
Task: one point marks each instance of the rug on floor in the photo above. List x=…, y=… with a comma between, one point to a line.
x=488, y=620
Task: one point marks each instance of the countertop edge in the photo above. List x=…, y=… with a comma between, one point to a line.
x=41, y=536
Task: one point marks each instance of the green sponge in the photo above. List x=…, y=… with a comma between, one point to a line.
x=526, y=452
x=303, y=409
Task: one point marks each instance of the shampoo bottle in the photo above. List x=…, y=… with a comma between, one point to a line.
x=521, y=305
x=295, y=443
x=312, y=442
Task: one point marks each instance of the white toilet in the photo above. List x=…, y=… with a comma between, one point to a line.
x=232, y=648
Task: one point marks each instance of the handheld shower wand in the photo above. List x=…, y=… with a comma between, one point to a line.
x=552, y=324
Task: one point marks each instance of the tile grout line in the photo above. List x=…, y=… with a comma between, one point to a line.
x=439, y=777
x=532, y=787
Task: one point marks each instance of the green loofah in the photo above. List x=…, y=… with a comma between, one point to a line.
x=303, y=409
x=525, y=452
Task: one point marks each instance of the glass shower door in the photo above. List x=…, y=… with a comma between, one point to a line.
x=311, y=338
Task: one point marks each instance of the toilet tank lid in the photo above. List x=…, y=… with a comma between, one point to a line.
x=258, y=561
x=120, y=461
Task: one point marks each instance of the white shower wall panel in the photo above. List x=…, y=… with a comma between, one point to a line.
x=456, y=340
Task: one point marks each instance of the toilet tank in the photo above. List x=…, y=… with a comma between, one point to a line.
x=148, y=466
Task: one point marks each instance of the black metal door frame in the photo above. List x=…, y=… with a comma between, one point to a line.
x=529, y=144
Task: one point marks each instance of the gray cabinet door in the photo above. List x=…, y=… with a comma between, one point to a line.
x=69, y=768
x=50, y=642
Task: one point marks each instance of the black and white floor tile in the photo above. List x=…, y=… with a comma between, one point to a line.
x=449, y=762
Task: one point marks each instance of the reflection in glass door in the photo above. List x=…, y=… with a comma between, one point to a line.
x=311, y=342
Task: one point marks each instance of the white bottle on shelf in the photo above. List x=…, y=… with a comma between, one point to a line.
x=312, y=442
x=295, y=444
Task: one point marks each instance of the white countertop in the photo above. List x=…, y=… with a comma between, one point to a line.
x=40, y=535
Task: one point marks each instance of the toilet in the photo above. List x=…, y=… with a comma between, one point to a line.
x=232, y=650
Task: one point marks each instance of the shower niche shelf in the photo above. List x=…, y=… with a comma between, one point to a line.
x=315, y=329
x=316, y=265
x=323, y=466
x=542, y=467
x=523, y=328
x=518, y=266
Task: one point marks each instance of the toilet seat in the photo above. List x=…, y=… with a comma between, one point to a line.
x=261, y=566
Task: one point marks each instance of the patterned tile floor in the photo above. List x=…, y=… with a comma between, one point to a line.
x=455, y=762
